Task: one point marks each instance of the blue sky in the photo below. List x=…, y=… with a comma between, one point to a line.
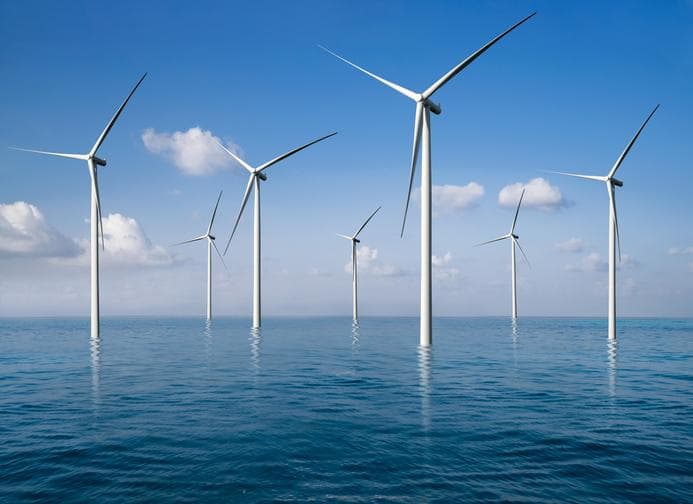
x=565, y=92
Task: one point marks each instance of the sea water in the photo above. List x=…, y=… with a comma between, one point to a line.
x=317, y=409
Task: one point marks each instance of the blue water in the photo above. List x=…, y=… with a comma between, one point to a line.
x=313, y=409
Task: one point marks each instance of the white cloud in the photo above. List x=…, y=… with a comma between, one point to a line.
x=127, y=244
x=574, y=246
x=370, y=263
x=194, y=152
x=442, y=269
x=453, y=198
x=538, y=194
x=680, y=251
x=628, y=262
x=24, y=231
x=591, y=262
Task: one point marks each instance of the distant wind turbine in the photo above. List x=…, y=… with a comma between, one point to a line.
x=210, y=243
x=514, y=240
x=354, y=266
x=96, y=223
x=256, y=175
x=614, y=236
x=422, y=135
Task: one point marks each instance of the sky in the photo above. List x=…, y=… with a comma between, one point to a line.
x=564, y=92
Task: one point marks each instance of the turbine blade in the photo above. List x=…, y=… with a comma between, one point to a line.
x=491, y=241
x=445, y=78
x=367, y=221
x=414, y=157
x=95, y=190
x=517, y=212
x=82, y=157
x=630, y=144
x=219, y=254
x=614, y=215
x=190, y=241
x=400, y=89
x=517, y=242
x=110, y=124
x=291, y=153
x=244, y=201
x=589, y=177
x=209, y=229
x=236, y=158
x=344, y=236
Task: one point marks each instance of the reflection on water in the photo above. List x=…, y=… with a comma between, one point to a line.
x=95, y=348
x=514, y=327
x=355, y=337
x=425, y=385
x=208, y=339
x=612, y=347
x=255, y=342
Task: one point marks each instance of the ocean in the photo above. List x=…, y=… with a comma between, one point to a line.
x=316, y=409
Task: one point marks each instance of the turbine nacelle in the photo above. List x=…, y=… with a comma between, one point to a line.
x=515, y=237
x=616, y=182
x=433, y=107
x=261, y=175
x=99, y=161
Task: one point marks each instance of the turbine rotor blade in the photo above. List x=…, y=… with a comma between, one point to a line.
x=414, y=157
x=110, y=124
x=445, y=78
x=235, y=157
x=344, y=236
x=95, y=190
x=517, y=242
x=218, y=253
x=494, y=240
x=82, y=157
x=367, y=221
x=589, y=177
x=402, y=90
x=244, y=201
x=291, y=153
x=614, y=215
x=211, y=222
x=189, y=241
x=517, y=212
x=630, y=144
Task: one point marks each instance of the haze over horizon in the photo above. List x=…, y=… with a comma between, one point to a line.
x=564, y=92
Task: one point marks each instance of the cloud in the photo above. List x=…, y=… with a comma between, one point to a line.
x=442, y=269
x=680, y=251
x=370, y=263
x=539, y=194
x=127, y=244
x=194, y=152
x=453, y=198
x=591, y=262
x=316, y=272
x=574, y=246
x=24, y=231
x=628, y=262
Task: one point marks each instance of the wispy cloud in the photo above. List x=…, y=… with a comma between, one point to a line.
x=591, y=262
x=573, y=245
x=442, y=269
x=24, y=231
x=539, y=194
x=370, y=263
x=680, y=251
x=194, y=152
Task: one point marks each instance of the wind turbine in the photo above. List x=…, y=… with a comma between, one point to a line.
x=256, y=175
x=422, y=135
x=210, y=243
x=96, y=223
x=354, y=267
x=514, y=240
x=614, y=236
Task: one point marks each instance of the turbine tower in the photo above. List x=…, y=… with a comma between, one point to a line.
x=210, y=244
x=354, y=266
x=256, y=175
x=614, y=236
x=514, y=240
x=422, y=135
x=96, y=224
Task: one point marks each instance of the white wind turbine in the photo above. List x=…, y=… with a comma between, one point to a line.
x=256, y=175
x=210, y=243
x=514, y=240
x=96, y=223
x=422, y=134
x=354, y=266
x=614, y=236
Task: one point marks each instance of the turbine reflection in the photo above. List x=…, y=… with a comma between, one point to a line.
x=425, y=385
